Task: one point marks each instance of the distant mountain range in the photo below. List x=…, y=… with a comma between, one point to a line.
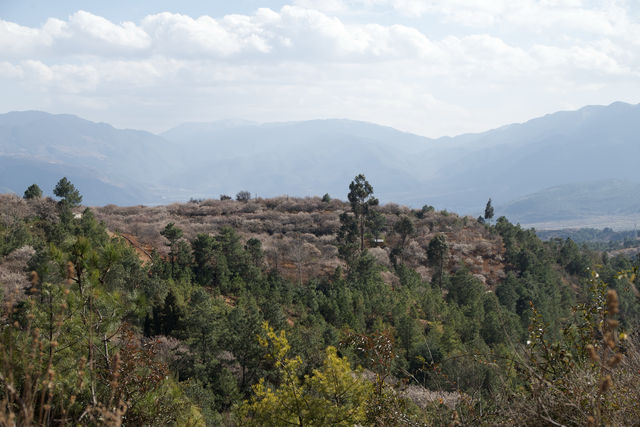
x=599, y=204
x=593, y=150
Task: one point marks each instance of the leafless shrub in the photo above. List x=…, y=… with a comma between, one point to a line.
x=394, y=209
x=13, y=278
x=169, y=350
x=424, y=272
x=381, y=256
x=302, y=254
x=243, y=196
x=250, y=207
x=390, y=279
x=415, y=253
x=13, y=208
x=423, y=397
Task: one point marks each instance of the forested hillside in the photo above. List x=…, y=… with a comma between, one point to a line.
x=289, y=311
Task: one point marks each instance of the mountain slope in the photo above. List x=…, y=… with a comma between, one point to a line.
x=129, y=162
x=314, y=157
x=593, y=143
x=458, y=173
x=299, y=158
x=616, y=200
x=16, y=174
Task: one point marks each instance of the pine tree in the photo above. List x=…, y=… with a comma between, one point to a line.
x=437, y=253
x=33, y=192
x=362, y=201
x=488, y=211
x=68, y=193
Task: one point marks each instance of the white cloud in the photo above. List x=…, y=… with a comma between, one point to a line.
x=294, y=32
x=411, y=7
x=100, y=32
x=301, y=62
x=297, y=33
x=17, y=40
x=10, y=71
x=326, y=6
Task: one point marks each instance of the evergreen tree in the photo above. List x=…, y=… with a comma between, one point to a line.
x=204, y=252
x=243, y=326
x=172, y=234
x=254, y=250
x=167, y=317
x=404, y=228
x=68, y=193
x=33, y=192
x=488, y=211
x=362, y=201
x=437, y=253
x=332, y=395
x=348, y=238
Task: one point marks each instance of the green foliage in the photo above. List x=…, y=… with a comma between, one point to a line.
x=362, y=202
x=201, y=307
x=180, y=255
x=404, y=228
x=171, y=233
x=464, y=289
x=166, y=318
x=425, y=210
x=488, y=211
x=13, y=235
x=348, y=238
x=33, y=192
x=437, y=255
x=254, y=251
x=533, y=277
x=67, y=192
x=331, y=395
x=66, y=353
x=204, y=254
x=580, y=378
x=243, y=325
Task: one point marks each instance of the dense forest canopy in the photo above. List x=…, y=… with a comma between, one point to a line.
x=306, y=312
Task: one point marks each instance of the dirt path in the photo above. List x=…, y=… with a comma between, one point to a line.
x=143, y=252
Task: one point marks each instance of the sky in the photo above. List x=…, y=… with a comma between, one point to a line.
x=431, y=67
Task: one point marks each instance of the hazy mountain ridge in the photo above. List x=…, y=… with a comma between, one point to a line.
x=17, y=173
x=608, y=203
x=65, y=138
x=595, y=143
x=129, y=163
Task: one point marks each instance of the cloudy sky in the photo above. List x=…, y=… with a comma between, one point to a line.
x=433, y=67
